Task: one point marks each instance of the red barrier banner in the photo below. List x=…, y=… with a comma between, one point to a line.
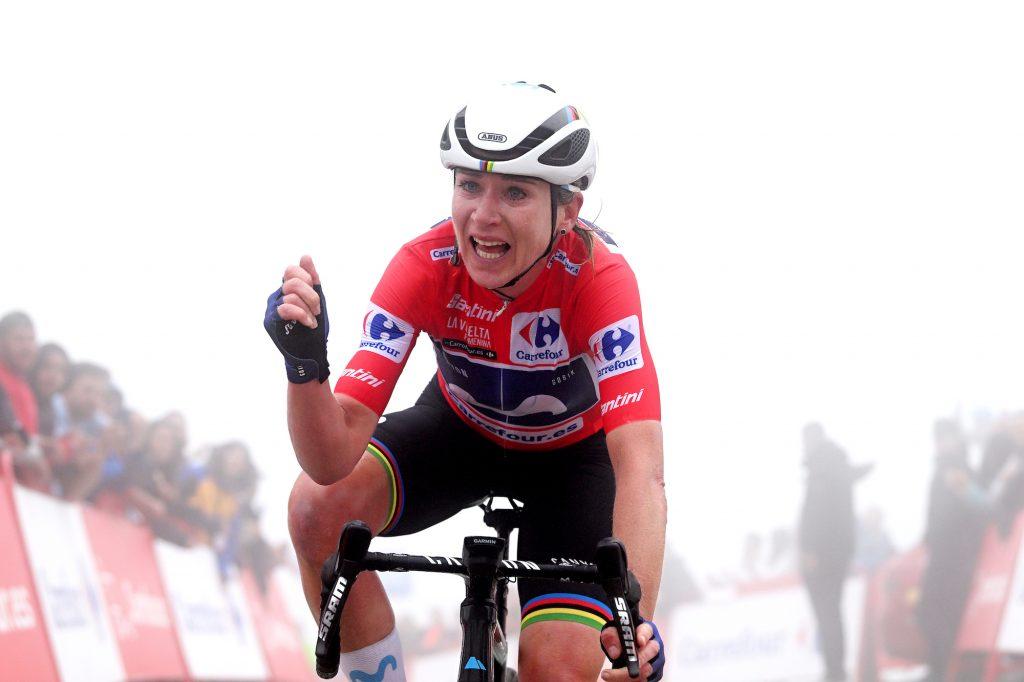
x=139, y=612
x=891, y=632
x=277, y=633
x=983, y=617
x=24, y=648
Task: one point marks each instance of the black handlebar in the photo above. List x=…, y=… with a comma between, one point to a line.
x=340, y=573
x=623, y=591
x=348, y=562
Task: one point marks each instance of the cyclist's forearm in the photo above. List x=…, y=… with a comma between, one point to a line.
x=640, y=505
x=319, y=431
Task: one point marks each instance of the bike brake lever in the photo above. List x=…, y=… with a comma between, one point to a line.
x=352, y=547
x=624, y=593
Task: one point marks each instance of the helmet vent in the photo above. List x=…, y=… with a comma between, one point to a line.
x=568, y=151
x=446, y=143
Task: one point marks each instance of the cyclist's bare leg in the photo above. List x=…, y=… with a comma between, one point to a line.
x=559, y=651
x=316, y=515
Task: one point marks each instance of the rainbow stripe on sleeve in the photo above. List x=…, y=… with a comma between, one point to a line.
x=566, y=607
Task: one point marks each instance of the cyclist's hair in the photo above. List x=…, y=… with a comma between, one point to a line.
x=564, y=196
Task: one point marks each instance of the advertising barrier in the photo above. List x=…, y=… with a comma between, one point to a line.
x=24, y=648
x=85, y=596
x=134, y=594
x=763, y=635
x=69, y=589
x=211, y=616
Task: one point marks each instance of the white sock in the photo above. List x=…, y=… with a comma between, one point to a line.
x=380, y=662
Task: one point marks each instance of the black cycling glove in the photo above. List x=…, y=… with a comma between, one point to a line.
x=304, y=349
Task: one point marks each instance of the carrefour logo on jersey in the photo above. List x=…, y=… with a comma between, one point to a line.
x=386, y=334
x=616, y=348
x=537, y=338
x=442, y=254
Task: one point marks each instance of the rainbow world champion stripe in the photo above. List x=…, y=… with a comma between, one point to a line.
x=566, y=607
x=396, y=490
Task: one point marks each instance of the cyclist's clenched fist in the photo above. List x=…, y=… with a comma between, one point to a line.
x=296, y=319
x=300, y=301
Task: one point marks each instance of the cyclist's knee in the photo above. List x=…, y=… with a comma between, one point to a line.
x=559, y=652
x=316, y=514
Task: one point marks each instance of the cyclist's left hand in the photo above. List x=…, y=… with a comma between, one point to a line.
x=650, y=651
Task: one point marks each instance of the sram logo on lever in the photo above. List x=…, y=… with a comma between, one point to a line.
x=331, y=612
x=628, y=639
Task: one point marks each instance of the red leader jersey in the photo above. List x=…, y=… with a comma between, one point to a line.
x=565, y=359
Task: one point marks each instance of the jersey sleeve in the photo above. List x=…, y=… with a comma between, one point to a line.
x=390, y=327
x=610, y=322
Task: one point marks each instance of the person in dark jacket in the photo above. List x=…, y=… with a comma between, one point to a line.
x=959, y=509
x=827, y=540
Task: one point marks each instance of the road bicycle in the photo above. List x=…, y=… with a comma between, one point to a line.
x=487, y=569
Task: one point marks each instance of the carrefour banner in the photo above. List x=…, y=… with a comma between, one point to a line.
x=139, y=611
x=213, y=619
x=69, y=589
x=765, y=636
x=24, y=651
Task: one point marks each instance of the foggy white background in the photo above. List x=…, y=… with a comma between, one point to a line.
x=822, y=203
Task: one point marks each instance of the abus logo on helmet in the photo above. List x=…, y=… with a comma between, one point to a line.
x=616, y=348
x=491, y=137
x=537, y=338
x=386, y=334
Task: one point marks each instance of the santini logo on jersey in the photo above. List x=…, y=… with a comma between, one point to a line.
x=537, y=338
x=622, y=400
x=442, y=254
x=474, y=310
x=385, y=334
x=362, y=375
x=616, y=348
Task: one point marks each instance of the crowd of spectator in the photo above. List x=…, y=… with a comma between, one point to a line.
x=69, y=433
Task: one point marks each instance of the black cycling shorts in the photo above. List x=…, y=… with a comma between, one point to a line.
x=438, y=466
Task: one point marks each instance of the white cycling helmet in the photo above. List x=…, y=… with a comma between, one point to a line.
x=522, y=129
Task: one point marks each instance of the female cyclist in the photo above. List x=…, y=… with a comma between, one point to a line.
x=545, y=390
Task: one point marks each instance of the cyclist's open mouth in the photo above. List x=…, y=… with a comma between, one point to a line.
x=489, y=250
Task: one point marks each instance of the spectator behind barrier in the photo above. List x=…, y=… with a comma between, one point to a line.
x=48, y=377
x=17, y=353
x=12, y=436
x=152, y=482
x=79, y=428
x=226, y=484
x=121, y=440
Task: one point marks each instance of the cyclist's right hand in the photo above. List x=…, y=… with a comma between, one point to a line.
x=296, y=319
x=650, y=651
